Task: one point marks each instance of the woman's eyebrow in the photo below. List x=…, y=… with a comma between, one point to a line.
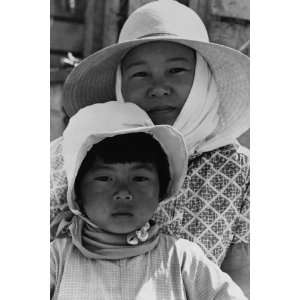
x=134, y=64
x=142, y=62
x=178, y=59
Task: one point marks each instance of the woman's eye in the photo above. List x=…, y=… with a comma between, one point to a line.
x=139, y=74
x=176, y=70
x=103, y=178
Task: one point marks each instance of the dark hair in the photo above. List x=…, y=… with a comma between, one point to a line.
x=127, y=148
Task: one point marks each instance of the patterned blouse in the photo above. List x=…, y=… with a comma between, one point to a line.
x=212, y=209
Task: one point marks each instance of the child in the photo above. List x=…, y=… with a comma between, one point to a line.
x=119, y=166
x=164, y=63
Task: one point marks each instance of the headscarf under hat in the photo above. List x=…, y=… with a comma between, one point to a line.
x=199, y=116
x=225, y=70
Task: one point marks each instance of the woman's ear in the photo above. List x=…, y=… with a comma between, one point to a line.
x=161, y=197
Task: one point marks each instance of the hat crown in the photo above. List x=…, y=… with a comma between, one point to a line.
x=98, y=118
x=93, y=123
x=164, y=18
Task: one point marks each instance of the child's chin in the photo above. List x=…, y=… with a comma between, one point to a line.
x=125, y=229
x=122, y=229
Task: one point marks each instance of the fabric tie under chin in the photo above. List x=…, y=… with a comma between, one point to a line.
x=97, y=244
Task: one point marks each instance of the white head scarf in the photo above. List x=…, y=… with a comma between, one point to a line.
x=199, y=117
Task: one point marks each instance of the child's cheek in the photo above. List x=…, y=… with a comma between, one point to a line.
x=146, y=190
x=94, y=190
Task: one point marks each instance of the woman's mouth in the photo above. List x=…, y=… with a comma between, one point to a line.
x=163, y=115
x=161, y=109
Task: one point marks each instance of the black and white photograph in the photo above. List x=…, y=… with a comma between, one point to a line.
x=150, y=171
x=126, y=144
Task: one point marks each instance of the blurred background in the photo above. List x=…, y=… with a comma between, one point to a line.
x=81, y=27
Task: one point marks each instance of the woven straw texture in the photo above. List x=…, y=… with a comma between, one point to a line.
x=212, y=208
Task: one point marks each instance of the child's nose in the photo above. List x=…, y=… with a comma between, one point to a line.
x=123, y=195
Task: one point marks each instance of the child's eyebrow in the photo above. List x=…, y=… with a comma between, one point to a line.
x=136, y=166
x=146, y=166
x=102, y=166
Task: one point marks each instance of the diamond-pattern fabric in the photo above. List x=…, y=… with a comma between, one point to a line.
x=212, y=208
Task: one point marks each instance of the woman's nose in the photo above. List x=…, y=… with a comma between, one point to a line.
x=159, y=91
x=123, y=195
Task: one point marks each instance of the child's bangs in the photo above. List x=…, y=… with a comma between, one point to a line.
x=127, y=148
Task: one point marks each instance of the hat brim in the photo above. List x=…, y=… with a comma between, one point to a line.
x=93, y=80
x=168, y=137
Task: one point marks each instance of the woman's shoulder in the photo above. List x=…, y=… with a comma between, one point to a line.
x=56, y=155
x=58, y=179
x=56, y=145
x=229, y=151
x=233, y=156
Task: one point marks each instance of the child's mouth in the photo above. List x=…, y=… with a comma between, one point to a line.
x=122, y=214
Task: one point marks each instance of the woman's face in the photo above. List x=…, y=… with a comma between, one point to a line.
x=158, y=77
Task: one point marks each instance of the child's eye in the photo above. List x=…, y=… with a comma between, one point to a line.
x=103, y=178
x=140, y=178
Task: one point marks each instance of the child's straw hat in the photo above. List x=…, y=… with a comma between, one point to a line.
x=93, y=80
x=94, y=123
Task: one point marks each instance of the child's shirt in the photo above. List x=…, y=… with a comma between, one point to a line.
x=212, y=208
x=175, y=269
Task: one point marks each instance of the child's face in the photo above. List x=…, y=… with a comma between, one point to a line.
x=158, y=77
x=120, y=197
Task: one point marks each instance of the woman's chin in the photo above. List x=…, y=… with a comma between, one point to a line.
x=163, y=118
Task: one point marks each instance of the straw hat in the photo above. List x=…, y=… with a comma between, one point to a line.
x=93, y=124
x=93, y=80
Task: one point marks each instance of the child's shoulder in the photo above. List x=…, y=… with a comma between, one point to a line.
x=60, y=247
x=61, y=243
x=183, y=247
